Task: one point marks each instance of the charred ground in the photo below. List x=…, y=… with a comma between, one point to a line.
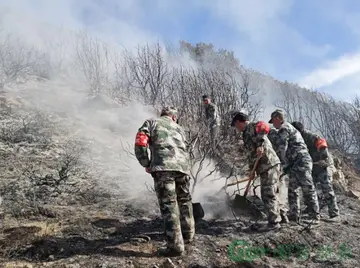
x=113, y=234
x=56, y=214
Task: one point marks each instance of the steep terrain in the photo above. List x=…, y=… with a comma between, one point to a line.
x=70, y=198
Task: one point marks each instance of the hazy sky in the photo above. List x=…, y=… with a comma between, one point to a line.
x=314, y=43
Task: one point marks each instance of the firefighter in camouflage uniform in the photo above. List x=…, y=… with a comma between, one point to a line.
x=258, y=146
x=169, y=166
x=323, y=166
x=297, y=164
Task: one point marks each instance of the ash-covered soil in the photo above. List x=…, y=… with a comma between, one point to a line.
x=115, y=233
x=63, y=205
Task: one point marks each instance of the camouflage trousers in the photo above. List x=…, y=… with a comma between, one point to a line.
x=214, y=135
x=325, y=178
x=300, y=177
x=270, y=185
x=282, y=194
x=173, y=193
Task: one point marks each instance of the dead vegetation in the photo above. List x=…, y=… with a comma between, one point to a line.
x=55, y=214
x=35, y=169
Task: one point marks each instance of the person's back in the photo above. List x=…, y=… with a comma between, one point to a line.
x=167, y=145
x=316, y=154
x=169, y=166
x=296, y=151
x=323, y=164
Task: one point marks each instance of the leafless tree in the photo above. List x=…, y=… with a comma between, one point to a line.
x=19, y=60
x=350, y=113
x=327, y=119
x=292, y=100
x=355, y=123
x=319, y=112
x=59, y=47
x=120, y=89
x=95, y=61
x=30, y=125
x=239, y=95
x=147, y=73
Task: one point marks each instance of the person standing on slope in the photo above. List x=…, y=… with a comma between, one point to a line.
x=273, y=137
x=323, y=165
x=258, y=145
x=297, y=163
x=170, y=168
x=212, y=120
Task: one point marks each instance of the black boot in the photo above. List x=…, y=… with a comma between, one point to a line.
x=284, y=219
x=270, y=227
x=294, y=218
x=334, y=218
x=169, y=252
x=314, y=220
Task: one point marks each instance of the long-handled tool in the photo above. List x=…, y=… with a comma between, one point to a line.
x=250, y=178
x=241, y=201
x=232, y=184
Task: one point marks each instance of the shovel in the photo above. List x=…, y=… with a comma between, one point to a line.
x=242, y=201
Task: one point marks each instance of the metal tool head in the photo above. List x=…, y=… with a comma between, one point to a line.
x=198, y=211
x=241, y=202
x=249, y=205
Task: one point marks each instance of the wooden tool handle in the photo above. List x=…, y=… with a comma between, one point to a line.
x=252, y=176
x=237, y=182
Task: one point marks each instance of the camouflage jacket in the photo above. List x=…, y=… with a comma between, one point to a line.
x=273, y=137
x=167, y=143
x=322, y=158
x=253, y=140
x=290, y=145
x=212, y=115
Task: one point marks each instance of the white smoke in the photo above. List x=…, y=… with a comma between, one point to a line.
x=107, y=127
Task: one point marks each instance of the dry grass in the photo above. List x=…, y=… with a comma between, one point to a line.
x=18, y=265
x=47, y=228
x=43, y=228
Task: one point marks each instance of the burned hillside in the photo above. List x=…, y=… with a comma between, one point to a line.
x=55, y=213
x=73, y=195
